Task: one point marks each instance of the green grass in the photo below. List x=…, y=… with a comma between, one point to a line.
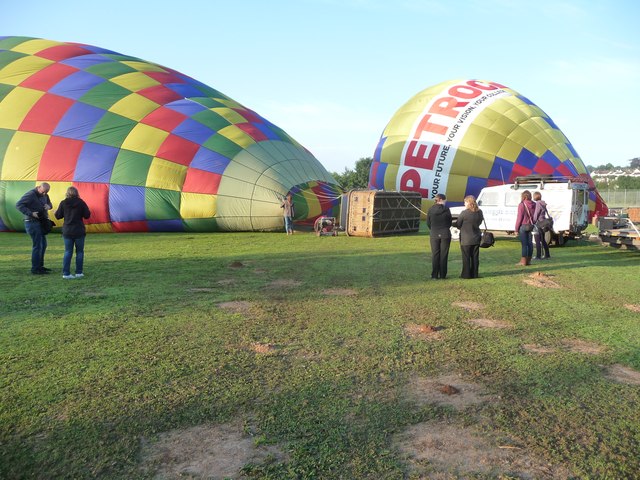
x=90, y=367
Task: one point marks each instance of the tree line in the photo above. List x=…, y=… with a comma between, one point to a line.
x=357, y=179
x=623, y=182
x=633, y=164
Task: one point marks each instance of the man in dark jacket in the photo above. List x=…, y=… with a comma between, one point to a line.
x=34, y=206
x=439, y=223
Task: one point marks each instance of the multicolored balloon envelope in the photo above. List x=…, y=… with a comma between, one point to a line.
x=149, y=149
x=462, y=135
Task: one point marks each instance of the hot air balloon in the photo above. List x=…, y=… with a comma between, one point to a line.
x=149, y=148
x=462, y=135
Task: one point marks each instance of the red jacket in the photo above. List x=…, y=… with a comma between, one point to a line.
x=525, y=218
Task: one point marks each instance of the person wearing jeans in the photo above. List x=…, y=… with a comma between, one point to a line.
x=524, y=227
x=73, y=209
x=34, y=205
x=288, y=212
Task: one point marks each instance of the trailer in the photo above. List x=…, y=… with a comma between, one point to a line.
x=619, y=232
x=567, y=202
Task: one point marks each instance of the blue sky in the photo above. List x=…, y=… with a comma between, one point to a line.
x=333, y=72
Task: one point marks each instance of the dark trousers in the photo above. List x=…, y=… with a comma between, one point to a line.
x=541, y=243
x=439, y=255
x=470, y=261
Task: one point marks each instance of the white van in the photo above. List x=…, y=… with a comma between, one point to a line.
x=567, y=202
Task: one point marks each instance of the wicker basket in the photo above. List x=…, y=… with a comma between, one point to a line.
x=372, y=213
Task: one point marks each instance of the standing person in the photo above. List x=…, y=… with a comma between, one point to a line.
x=524, y=227
x=73, y=209
x=469, y=222
x=34, y=206
x=289, y=213
x=539, y=214
x=439, y=223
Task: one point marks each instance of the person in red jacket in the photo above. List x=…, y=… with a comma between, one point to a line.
x=524, y=227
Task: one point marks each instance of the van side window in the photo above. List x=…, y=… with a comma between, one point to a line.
x=513, y=199
x=489, y=199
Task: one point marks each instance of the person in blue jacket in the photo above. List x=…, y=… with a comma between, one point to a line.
x=34, y=205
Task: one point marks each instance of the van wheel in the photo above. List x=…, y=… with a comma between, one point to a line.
x=560, y=240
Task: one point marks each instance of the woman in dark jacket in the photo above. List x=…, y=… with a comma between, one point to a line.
x=439, y=223
x=524, y=226
x=73, y=210
x=469, y=222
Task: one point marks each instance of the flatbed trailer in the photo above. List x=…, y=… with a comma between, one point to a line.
x=619, y=233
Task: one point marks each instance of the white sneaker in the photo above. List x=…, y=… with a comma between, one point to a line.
x=68, y=277
x=79, y=275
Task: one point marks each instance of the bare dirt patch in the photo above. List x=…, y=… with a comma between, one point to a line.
x=236, y=264
x=633, y=308
x=339, y=292
x=239, y=306
x=541, y=280
x=621, y=374
x=576, y=345
x=213, y=452
x=535, y=348
x=284, y=283
x=424, y=332
x=201, y=290
x=490, y=323
x=469, y=306
x=265, y=348
x=439, y=450
x=226, y=281
x=450, y=389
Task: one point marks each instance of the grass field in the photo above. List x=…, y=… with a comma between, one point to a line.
x=266, y=356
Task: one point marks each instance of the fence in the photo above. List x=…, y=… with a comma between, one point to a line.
x=621, y=198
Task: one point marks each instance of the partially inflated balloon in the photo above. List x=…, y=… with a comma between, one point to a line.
x=462, y=135
x=149, y=149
